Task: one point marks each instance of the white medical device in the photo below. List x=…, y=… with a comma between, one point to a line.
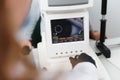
x=63, y=5
x=65, y=33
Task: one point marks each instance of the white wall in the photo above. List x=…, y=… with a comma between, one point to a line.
x=113, y=22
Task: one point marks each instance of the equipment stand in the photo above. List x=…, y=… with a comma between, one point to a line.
x=100, y=44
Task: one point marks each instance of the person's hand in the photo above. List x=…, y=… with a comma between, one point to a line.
x=95, y=35
x=81, y=58
x=26, y=42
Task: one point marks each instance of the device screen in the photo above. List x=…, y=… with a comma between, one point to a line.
x=67, y=30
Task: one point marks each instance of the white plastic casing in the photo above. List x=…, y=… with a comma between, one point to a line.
x=47, y=50
x=44, y=6
x=71, y=48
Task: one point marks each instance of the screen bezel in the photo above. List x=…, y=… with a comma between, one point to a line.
x=61, y=47
x=46, y=7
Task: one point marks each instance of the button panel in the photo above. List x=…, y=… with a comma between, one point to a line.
x=69, y=52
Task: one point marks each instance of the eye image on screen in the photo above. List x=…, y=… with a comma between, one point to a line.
x=67, y=30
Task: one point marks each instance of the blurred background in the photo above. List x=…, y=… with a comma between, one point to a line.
x=113, y=16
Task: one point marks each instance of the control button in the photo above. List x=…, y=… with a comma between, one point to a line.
x=76, y=51
x=66, y=52
x=61, y=52
x=81, y=51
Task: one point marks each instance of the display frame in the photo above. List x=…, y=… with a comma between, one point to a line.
x=67, y=30
x=69, y=48
x=44, y=6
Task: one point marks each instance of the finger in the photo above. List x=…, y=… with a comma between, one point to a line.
x=77, y=57
x=73, y=61
x=71, y=58
x=83, y=54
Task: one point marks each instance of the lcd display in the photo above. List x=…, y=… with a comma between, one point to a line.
x=67, y=30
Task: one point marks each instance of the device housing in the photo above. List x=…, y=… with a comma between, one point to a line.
x=64, y=5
